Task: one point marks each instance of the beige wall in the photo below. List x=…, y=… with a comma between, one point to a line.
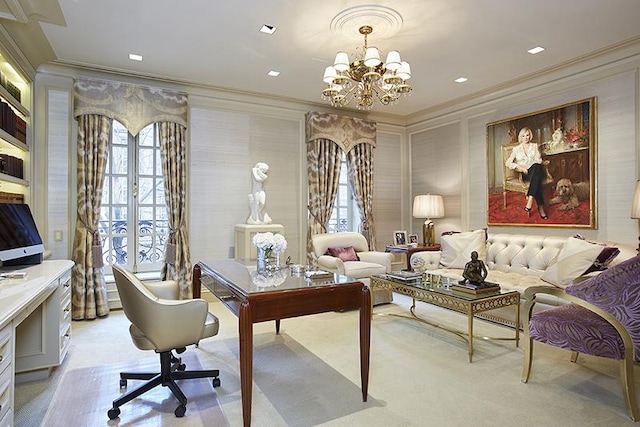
x=442, y=152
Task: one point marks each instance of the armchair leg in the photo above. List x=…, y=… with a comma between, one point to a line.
x=528, y=356
x=574, y=356
x=628, y=388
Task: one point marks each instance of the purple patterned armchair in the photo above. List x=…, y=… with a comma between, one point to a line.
x=601, y=319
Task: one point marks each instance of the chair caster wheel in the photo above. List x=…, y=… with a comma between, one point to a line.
x=181, y=367
x=180, y=410
x=113, y=413
x=216, y=382
x=123, y=383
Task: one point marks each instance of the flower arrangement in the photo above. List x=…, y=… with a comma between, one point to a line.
x=577, y=137
x=270, y=242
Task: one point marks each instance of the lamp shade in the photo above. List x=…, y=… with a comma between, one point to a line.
x=428, y=206
x=635, y=208
x=393, y=60
x=372, y=57
x=342, y=61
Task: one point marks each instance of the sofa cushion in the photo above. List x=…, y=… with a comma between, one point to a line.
x=456, y=248
x=345, y=254
x=575, y=257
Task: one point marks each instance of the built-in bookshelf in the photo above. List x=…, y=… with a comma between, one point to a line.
x=15, y=155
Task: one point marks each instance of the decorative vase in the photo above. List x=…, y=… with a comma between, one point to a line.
x=267, y=261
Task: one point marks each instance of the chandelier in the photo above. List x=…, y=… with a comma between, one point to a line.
x=366, y=79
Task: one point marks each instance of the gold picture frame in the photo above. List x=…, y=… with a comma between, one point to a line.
x=566, y=140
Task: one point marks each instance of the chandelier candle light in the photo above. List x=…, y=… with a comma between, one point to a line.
x=366, y=79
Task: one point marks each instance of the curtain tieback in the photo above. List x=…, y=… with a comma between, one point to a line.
x=170, y=254
x=324, y=227
x=96, y=250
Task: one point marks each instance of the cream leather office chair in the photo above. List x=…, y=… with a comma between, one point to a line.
x=161, y=322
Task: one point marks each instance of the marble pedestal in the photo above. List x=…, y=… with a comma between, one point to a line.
x=245, y=250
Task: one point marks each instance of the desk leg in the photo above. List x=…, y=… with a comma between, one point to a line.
x=246, y=360
x=365, y=339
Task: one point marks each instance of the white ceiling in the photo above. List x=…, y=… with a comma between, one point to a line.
x=217, y=43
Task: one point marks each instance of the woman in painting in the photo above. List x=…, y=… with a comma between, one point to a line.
x=526, y=158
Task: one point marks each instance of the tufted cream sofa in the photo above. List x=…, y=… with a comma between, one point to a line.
x=516, y=262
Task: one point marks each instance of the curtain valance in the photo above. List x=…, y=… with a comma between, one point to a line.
x=345, y=131
x=133, y=106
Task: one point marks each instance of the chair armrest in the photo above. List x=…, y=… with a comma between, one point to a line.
x=376, y=257
x=330, y=263
x=166, y=289
x=425, y=260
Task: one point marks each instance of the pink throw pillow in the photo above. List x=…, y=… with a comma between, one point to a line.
x=345, y=254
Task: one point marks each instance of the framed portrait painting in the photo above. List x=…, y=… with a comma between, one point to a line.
x=541, y=168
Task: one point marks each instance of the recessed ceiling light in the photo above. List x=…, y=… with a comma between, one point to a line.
x=135, y=57
x=535, y=50
x=274, y=73
x=268, y=29
x=461, y=80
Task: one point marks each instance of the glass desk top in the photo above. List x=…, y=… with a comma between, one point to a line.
x=244, y=277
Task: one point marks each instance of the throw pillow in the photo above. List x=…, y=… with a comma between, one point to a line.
x=456, y=248
x=573, y=260
x=345, y=254
x=605, y=258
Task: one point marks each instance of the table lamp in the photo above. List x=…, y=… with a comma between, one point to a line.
x=635, y=208
x=428, y=206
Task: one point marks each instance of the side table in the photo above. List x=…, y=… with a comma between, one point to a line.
x=408, y=251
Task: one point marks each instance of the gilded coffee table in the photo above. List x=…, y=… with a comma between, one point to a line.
x=461, y=302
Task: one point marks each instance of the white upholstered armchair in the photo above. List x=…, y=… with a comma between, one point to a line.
x=334, y=254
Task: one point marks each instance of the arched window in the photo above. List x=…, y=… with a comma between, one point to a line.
x=133, y=217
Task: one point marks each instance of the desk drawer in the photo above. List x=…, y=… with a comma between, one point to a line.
x=6, y=347
x=6, y=390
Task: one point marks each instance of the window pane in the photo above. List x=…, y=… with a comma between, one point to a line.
x=160, y=200
x=120, y=190
x=146, y=136
x=146, y=161
x=145, y=213
x=344, y=195
x=119, y=163
x=145, y=191
x=120, y=135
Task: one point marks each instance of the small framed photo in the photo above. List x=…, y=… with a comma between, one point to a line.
x=400, y=237
x=413, y=238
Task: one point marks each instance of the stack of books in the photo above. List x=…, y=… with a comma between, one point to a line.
x=318, y=275
x=476, y=288
x=405, y=276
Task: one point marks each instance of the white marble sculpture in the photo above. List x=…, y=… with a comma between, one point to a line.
x=258, y=197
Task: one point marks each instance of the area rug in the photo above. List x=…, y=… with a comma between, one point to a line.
x=84, y=396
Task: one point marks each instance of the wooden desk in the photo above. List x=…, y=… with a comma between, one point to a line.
x=232, y=282
x=408, y=251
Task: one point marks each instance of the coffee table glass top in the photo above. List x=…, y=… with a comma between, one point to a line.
x=443, y=289
x=245, y=278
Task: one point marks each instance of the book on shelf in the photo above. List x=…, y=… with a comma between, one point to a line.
x=476, y=288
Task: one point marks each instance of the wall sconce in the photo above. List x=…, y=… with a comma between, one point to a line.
x=428, y=206
x=635, y=208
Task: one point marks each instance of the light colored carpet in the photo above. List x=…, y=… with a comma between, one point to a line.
x=84, y=395
x=310, y=375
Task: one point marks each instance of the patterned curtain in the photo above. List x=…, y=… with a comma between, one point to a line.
x=177, y=264
x=89, y=292
x=324, y=159
x=360, y=170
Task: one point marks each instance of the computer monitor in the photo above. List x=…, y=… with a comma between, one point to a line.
x=20, y=242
